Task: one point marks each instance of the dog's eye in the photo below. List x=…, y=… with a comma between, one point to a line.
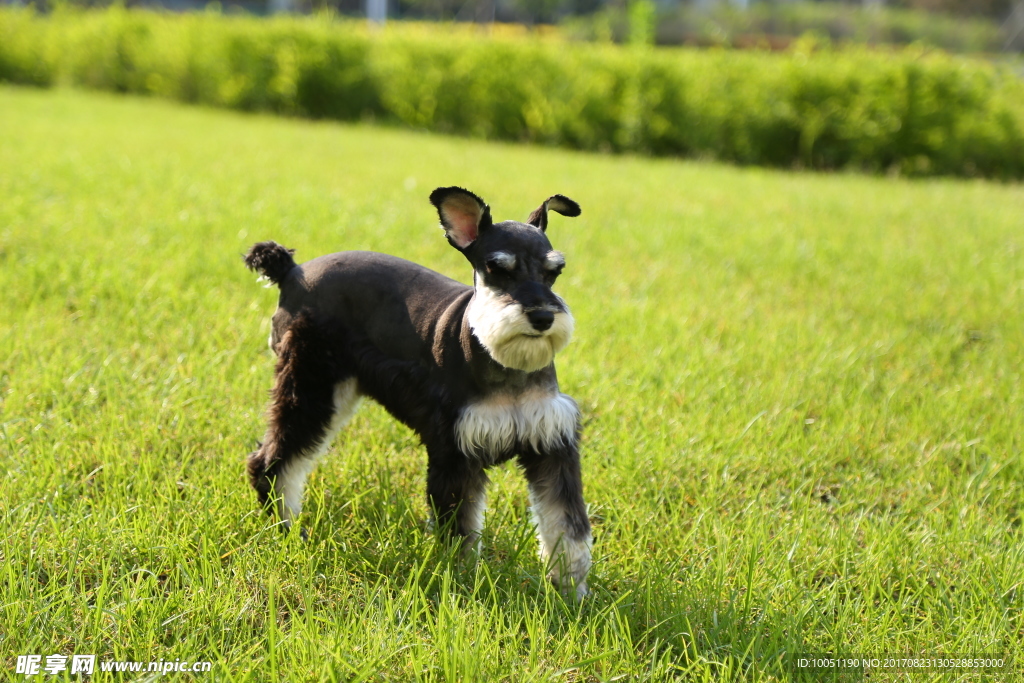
x=554, y=263
x=554, y=267
x=501, y=262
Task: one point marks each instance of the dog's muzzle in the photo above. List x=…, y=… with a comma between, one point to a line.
x=518, y=338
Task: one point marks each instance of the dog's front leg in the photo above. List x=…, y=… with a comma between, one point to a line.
x=560, y=513
x=457, y=494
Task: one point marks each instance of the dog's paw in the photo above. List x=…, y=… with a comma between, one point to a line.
x=570, y=588
x=471, y=548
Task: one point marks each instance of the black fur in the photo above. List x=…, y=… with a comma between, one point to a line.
x=271, y=260
x=558, y=203
x=302, y=400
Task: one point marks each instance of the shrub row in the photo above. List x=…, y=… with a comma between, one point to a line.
x=776, y=23
x=909, y=111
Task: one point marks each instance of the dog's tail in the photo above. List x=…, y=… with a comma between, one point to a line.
x=270, y=260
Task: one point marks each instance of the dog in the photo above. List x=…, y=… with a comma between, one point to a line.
x=469, y=369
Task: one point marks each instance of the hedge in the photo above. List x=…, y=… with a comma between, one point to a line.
x=910, y=111
x=779, y=22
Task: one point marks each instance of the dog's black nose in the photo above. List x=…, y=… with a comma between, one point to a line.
x=541, y=320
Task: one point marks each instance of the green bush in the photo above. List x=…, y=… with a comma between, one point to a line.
x=24, y=57
x=777, y=23
x=910, y=111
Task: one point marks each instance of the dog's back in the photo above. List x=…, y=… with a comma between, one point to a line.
x=401, y=307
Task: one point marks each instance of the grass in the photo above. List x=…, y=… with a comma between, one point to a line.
x=802, y=394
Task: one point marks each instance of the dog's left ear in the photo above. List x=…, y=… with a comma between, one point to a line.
x=463, y=215
x=558, y=203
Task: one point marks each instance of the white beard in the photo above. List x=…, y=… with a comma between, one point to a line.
x=506, y=332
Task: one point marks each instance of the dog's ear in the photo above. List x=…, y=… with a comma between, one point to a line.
x=558, y=203
x=463, y=215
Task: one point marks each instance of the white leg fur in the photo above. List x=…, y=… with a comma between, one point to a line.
x=476, y=507
x=567, y=560
x=291, y=480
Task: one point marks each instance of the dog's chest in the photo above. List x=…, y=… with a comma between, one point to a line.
x=502, y=423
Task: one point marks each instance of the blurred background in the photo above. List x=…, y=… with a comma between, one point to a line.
x=914, y=87
x=954, y=25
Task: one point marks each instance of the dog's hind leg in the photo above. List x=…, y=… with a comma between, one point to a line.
x=290, y=479
x=311, y=401
x=560, y=513
x=457, y=494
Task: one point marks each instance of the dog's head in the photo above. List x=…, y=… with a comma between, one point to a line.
x=514, y=313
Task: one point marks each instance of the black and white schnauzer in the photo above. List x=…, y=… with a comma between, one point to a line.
x=470, y=369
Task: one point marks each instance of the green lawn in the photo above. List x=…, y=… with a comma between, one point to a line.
x=802, y=396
